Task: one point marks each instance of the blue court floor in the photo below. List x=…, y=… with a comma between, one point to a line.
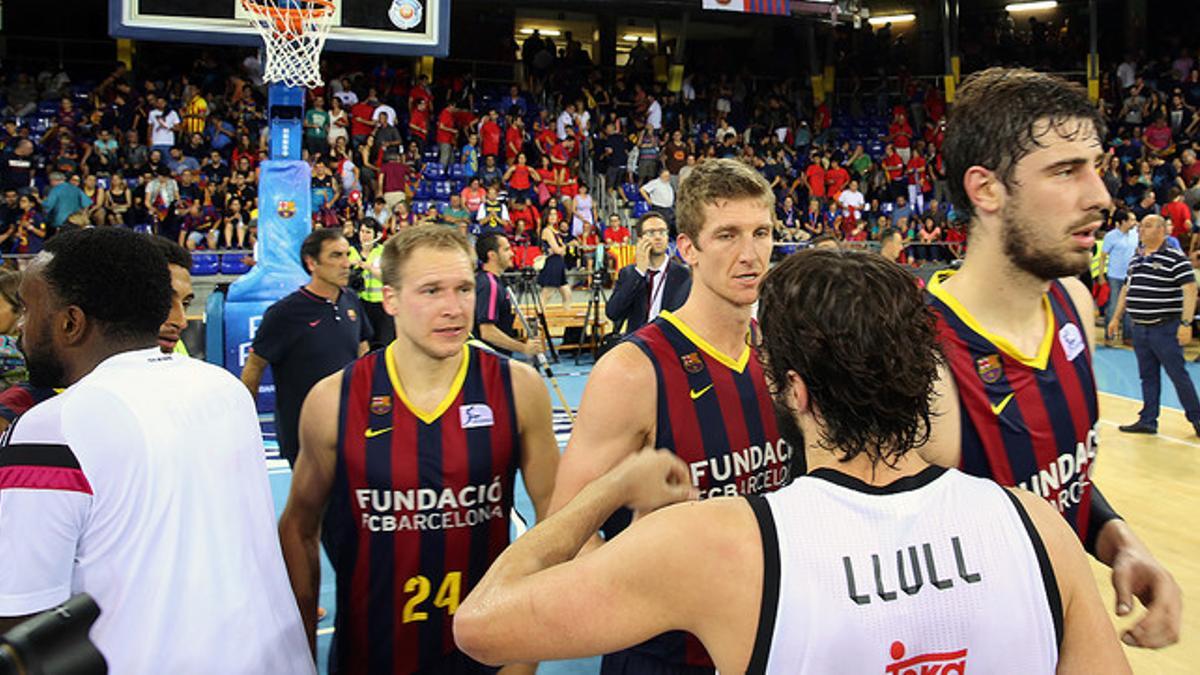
x=1116, y=373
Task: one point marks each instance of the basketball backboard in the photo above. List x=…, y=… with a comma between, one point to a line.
x=400, y=27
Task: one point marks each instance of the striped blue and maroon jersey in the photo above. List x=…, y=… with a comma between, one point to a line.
x=716, y=414
x=419, y=509
x=1027, y=421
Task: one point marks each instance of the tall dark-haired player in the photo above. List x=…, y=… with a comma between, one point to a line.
x=406, y=468
x=687, y=381
x=1019, y=398
x=858, y=567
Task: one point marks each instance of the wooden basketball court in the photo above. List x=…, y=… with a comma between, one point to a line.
x=1154, y=482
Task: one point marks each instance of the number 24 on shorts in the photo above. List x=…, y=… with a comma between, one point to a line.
x=449, y=594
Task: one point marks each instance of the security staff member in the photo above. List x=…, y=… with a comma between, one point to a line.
x=494, y=314
x=309, y=334
x=1160, y=294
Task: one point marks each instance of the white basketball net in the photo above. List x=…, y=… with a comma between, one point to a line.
x=294, y=32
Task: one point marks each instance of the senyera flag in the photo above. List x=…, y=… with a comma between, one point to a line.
x=751, y=6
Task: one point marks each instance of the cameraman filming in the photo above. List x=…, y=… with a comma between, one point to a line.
x=493, y=308
x=653, y=283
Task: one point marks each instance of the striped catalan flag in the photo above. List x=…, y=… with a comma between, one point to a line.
x=750, y=6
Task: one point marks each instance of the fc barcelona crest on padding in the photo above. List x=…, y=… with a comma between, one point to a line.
x=381, y=405
x=990, y=368
x=286, y=208
x=692, y=363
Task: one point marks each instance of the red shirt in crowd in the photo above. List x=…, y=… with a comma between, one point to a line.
x=894, y=166
x=420, y=92
x=514, y=140
x=489, y=138
x=815, y=175
x=418, y=124
x=836, y=180
x=520, y=178
x=901, y=134
x=559, y=154
x=916, y=171
x=446, y=130
x=361, y=111
x=1180, y=216
x=549, y=179
x=545, y=140
x=473, y=199
x=616, y=235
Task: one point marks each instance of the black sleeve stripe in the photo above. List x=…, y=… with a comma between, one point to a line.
x=38, y=454
x=1099, y=513
x=770, y=590
x=1049, y=580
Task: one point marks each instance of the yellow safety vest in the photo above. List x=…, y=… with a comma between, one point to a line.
x=372, y=285
x=181, y=349
x=1096, y=254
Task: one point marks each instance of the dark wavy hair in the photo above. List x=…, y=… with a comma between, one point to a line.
x=997, y=119
x=855, y=328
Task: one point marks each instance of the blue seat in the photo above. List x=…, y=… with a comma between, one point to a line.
x=442, y=189
x=205, y=264
x=424, y=190
x=433, y=170
x=420, y=205
x=232, y=263
x=640, y=208
x=630, y=191
x=456, y=171
x=48, y=108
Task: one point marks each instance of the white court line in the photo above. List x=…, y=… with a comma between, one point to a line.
x=1108, y=422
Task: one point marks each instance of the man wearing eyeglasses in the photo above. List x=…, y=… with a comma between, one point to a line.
x=652, y=283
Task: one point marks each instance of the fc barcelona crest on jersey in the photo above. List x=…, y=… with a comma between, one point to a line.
x=990, y=368
x=692, y=363
x=381, y=405
x=286, y=208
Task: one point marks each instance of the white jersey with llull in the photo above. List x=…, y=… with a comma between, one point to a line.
x=145, y=486
x=939, y=572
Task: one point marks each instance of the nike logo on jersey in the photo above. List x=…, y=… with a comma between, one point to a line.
x=997, y=408
x=697, y=394
x=313, y=324
x=372, y=433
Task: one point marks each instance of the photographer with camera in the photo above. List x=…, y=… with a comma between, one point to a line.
x=494, y=312
x=653, y=283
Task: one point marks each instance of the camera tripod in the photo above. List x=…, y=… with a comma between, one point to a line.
x=527, y=290
x=593, y=322
x=540, y=360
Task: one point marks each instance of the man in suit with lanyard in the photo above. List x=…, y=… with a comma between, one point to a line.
x=653, y=282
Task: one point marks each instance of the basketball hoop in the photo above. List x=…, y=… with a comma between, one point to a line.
x=294, y=32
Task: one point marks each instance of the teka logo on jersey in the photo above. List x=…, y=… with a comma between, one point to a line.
x=933, y=663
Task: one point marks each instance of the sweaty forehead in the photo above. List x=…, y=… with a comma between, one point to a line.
x=1070, y=136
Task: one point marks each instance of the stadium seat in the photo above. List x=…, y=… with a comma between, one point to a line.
x=630, y=191
x=442, y=189
x=48, y=108
x=420, y=205
x=233, y=263
x=205, y=264
x=456, y=171
x=640, y=208
x=432, y=170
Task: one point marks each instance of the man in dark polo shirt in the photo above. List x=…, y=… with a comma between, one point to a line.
x=1160, y=294
x=493, y=308
x=309, y=334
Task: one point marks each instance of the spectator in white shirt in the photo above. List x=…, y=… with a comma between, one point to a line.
x=566, y=122
x=661, y=197
x=385, y=112
x=851, y=199
x=654, y=113
x=163, y=125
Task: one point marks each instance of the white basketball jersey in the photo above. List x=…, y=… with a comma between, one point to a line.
x=937, y=573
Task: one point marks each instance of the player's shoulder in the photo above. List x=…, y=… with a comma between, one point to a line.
x=624, y=365
x=1050, y=526
x=41, y=424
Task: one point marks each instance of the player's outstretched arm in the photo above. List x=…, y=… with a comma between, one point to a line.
x=615, y=419
x=1089, y=643
x=539, y=448
x=641, y=584
x=312, y=479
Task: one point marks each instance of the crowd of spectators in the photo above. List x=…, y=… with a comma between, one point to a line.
x=565, y=149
